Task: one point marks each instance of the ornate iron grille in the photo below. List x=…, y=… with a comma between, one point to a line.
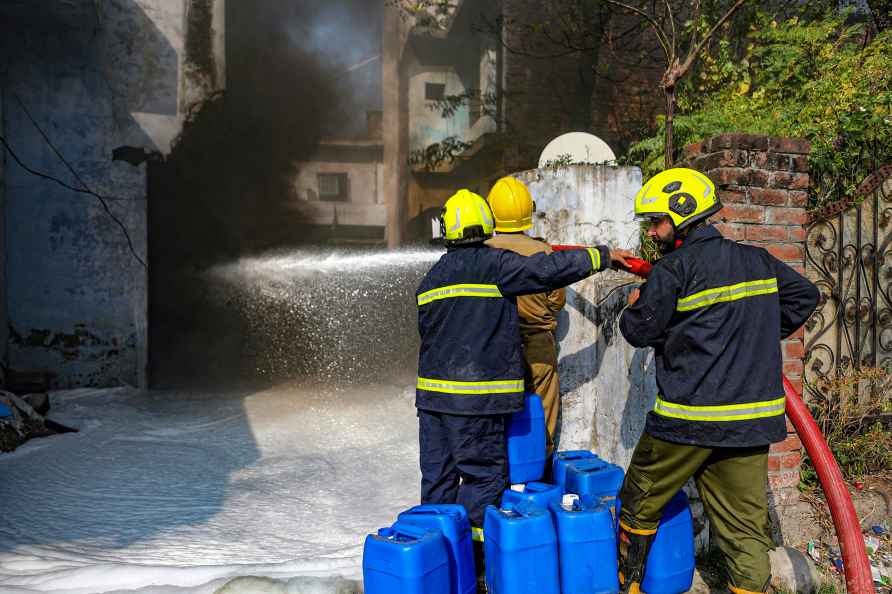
x=849, y=257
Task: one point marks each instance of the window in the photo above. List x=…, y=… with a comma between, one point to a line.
x=434, y=91
x=333, y=187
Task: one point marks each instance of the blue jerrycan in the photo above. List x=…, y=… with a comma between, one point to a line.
x=597, y=479
x=521, y=550
x=586, y=546
x=452, y=521
x=562, y=460
x=539, y=494
x=670, y=562
x=406, y=559
x=526, y=442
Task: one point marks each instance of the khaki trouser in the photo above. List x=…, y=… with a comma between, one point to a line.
x=541, y=377
x=733, y=485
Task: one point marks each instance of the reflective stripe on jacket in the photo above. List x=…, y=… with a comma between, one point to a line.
x=470, y=360
x=715, y=312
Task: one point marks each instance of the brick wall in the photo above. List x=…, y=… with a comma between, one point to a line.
x=763, y=184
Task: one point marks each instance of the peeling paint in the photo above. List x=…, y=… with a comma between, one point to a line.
x=607, y=386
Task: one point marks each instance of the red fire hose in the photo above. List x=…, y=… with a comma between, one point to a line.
x=848, y=529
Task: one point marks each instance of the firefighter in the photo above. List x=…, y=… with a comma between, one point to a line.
x=513, y=206
x=470, y=365
x=715, y=312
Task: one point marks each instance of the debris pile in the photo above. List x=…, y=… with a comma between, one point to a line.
x=877, y=541
x=23, y=418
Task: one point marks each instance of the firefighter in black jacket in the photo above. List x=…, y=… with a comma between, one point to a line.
x=470, y=364
x=715, y=312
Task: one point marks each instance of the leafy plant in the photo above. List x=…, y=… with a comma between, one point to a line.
x=824, y=80
x=445, y=151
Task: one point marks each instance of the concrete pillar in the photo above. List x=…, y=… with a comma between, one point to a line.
x=396, y=126
x=218, y=30
x=204, y=56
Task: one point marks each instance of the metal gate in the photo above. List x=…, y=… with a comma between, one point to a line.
x=849, y=257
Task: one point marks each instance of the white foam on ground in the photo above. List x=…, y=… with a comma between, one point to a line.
x=179, y=493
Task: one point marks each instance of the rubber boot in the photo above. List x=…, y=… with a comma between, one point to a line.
x=633, y=550
x=480, y=566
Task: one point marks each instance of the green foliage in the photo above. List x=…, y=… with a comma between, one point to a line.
x=848, y=409
x=434, y=155
x=823, y=80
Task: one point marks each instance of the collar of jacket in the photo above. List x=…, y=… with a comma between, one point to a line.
x=464, y=246
x=702, y=233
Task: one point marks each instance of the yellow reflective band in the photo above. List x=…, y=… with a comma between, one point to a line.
x=726, y=412
x=596, y=258
x=476, y=534
x=450, y=291
x=505, y=386
x=728, y=293
x=639, y=531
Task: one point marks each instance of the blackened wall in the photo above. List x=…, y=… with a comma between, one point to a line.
x=93, y=76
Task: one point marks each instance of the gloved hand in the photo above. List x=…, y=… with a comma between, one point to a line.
x=619, y=258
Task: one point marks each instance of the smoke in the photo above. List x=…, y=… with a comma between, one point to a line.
x=227, y=188
x=347, y=36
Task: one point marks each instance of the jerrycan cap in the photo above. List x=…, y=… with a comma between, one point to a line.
x=518, y=488
x=569, y=500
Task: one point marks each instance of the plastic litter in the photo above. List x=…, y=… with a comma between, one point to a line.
x=872, y=544
x=813, y=552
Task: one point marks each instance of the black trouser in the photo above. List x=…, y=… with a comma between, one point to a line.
x=463, y=460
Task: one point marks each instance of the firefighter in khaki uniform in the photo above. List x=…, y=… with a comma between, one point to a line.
x=715, y=312
x=512, y=207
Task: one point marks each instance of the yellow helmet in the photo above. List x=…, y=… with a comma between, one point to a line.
x=685, y=195
x=466, y=218
x=511, y=204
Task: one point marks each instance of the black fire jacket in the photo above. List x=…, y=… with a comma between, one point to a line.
x=470, y=361
x=715, y=312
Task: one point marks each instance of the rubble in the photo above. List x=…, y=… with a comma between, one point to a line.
x=20, y=421
x=878, y=544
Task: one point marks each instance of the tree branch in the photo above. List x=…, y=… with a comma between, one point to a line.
x=671, y=18
x=689, y=61
x=661, y=36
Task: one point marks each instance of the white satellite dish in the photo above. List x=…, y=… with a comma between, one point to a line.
x=576, y=147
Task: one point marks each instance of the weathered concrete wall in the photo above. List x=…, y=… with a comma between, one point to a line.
x=77, y=295
x=4, y=309
x=365, y=204
x=607, y=386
